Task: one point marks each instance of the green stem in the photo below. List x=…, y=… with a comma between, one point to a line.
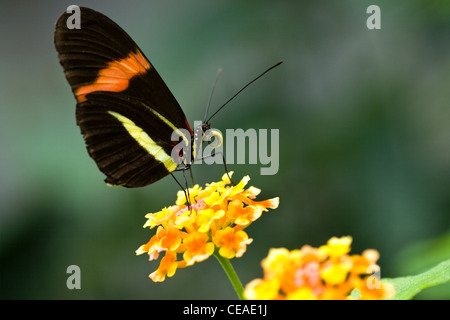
x=229, y=270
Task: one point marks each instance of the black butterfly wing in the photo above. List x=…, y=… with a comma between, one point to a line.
x=124, y=109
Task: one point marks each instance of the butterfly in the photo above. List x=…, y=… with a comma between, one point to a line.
x=125, y=111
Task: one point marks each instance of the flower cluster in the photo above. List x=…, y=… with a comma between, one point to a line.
x=327, y=272
x=214, y=220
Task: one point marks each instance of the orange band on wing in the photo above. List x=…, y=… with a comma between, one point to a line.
x=116, y=76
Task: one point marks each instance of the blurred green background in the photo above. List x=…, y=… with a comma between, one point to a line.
x=364, y=123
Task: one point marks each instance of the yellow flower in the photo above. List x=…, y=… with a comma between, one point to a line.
x=337, y=247
x=214, y=220
x=324, y=273
x=334, y=273
x=263, y=289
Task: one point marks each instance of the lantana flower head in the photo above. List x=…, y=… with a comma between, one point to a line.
x=215, y=220
x=327, y=273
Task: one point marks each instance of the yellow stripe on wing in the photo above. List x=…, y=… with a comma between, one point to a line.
x=145, y=141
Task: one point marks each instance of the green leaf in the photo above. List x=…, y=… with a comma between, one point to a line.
x=407, y=287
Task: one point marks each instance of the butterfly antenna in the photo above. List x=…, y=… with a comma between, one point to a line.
x=274, y=66
x=211, y=94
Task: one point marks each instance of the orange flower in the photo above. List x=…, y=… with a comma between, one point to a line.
x=168, y=266
x=231, y=243
x=327, y=272
x=215, y=220
x=197, y=248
